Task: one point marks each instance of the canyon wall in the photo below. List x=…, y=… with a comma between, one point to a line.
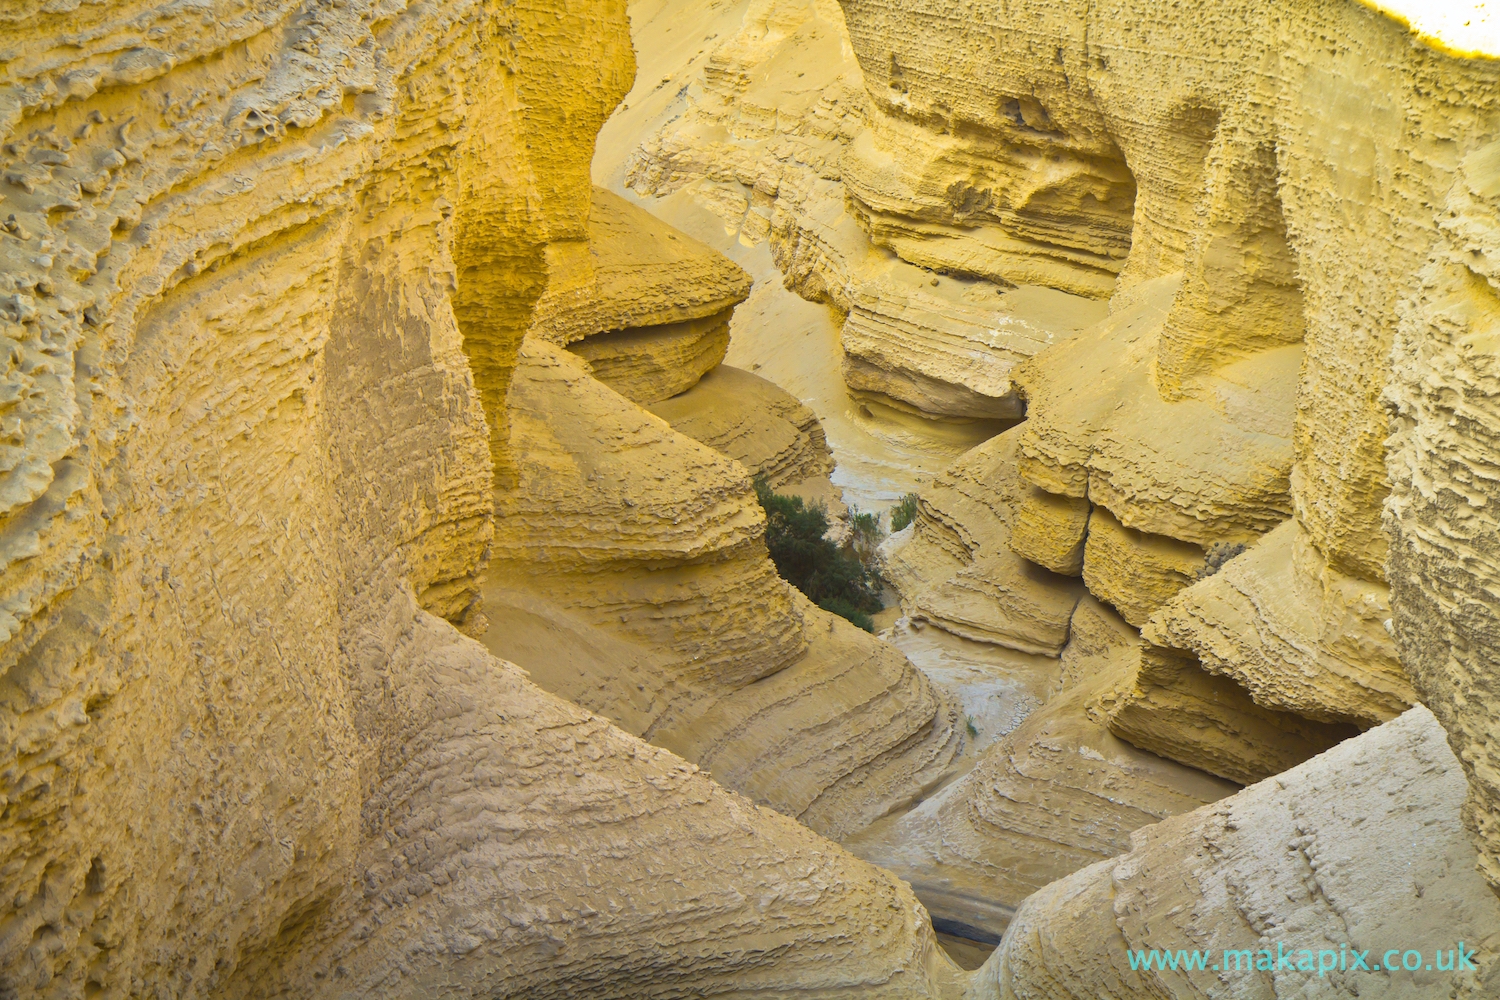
x=335, y=391
x=268, y=271
x=1286, y=222
x=1238, y=242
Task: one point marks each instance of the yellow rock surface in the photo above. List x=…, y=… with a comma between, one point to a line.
x=1443, y=505
x=631, y=271
x=945, y=346
x=649, y=365
x=1134, y=571
x=958, y=570
x=619, y=521
x=756, y=423
x=266, y=270
x=1049, y=530
x=762, y=139
x=1299, y=635
x=1169, y=705
x=647, y=306
x=1099, y=641
x=1205, y=469
x=1058, y=793
x=1302, y=861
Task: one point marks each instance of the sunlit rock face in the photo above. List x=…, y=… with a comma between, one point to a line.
x=322, y=351
x=1302, y=862
x=1287, y=196
x=267, y=272
x=1266, y=451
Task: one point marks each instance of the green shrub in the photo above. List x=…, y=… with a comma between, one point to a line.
x=832, y=580
x=864, y=534
x=904, y=513
x=842, y=608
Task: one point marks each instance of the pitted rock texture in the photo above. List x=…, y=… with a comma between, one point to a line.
x=1445, y=558
x=1359, y=849
x=1058, y=793
x=644, y=533
x=267, y=269
x=756, y=423
x=757, y=128
x=1297, y=634
x=646, y=306
x=1277, y=240
x=958, y=571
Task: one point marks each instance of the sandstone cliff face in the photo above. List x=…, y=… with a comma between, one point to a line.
x=647, y=534
x=764, y=139
x=1271, y=197
x=1237, y=380
x=1443, y=554
x=1303, y=861
x=312, y=318
x=268, y=270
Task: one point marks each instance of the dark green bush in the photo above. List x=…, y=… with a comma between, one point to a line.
x=842, y=608
x=864, y=534
x=832, y=580
x=904, y=513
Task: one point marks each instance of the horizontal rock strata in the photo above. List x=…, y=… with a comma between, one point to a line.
x=1169, y=705
x=643, y=533
x=957, y=570
x=646, y=306
x=266, y=270
x=1297, y=634
x=756, y=423
x=1058, y=793
x=1303, y=861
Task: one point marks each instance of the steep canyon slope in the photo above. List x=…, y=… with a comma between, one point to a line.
x=268, y=268
x=385, y=610
x=1283, y=215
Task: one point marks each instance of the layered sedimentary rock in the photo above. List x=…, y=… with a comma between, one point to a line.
x=267, y=269
x=753, y=421
x=1236, y=382
x=761, y=133
x=1309, y=179
x=1058, y=793
x=1296, y=634
x=1204, y=470
x=945, y=346
x=958, y=571
x=1441, y=512
x=1167, y=704
x=645, y=533
x=647, y=306
x=1357, y=851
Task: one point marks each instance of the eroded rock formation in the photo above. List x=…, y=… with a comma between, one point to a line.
x=324, y=354
x=1357, y=850
x=268, y=268
x=1290, y=210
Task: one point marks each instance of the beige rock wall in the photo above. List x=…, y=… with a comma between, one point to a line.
x=1286, y=196
x=1359, y=849
x=761, y=128
x=1056, y=794
x=1311, y=183
x=266, y=273
x=1440, y=514
x=647, y=306
x=646, y=534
